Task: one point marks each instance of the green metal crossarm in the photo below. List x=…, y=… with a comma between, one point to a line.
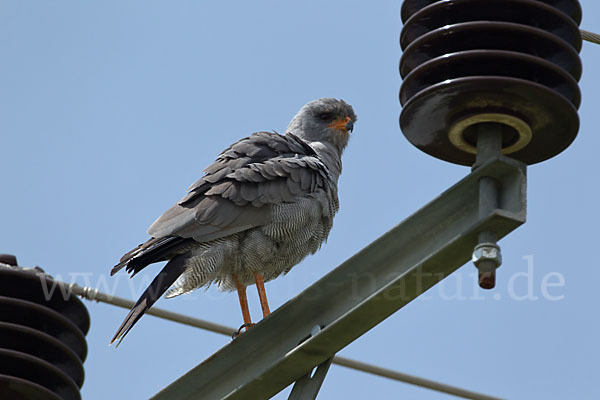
x=93, y=294
x=363, y=291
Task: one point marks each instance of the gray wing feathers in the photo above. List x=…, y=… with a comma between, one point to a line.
x=211, y=218
x=237, y=190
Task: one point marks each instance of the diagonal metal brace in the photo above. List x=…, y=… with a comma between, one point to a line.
x=356, y=296
x=307, y=387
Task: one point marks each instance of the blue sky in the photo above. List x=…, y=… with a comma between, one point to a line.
x=109, y=110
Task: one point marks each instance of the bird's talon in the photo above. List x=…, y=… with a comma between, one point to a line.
x=239, y=331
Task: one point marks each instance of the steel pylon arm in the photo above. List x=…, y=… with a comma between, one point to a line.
x=360, y=293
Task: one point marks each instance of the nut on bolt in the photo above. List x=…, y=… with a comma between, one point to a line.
x=487, y=252
x=487, y=257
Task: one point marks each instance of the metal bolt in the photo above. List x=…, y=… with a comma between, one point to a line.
x=487, y=257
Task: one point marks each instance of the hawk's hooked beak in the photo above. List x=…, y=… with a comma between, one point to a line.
x=345, y=124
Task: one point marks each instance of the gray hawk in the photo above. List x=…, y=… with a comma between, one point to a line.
x=266, y=203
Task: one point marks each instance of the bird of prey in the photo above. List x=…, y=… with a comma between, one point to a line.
x=266, y=203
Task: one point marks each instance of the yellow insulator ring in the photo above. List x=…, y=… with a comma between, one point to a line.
x=456, y=133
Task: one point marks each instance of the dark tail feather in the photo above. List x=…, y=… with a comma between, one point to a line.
x=153, y=250
x=159, y=285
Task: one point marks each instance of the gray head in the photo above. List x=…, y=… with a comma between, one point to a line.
x=325, y=120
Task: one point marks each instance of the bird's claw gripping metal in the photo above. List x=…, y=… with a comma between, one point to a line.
x=245, y=328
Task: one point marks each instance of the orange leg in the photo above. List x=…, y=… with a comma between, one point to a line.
x=241, y=289
x=262, y=295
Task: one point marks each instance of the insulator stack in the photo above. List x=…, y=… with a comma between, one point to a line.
x=512, y=62
x=42, y=336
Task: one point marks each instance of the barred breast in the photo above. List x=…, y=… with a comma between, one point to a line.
x=297, y=230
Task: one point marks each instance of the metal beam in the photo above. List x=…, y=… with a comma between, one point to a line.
x=363, y=291
x=93, y=294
